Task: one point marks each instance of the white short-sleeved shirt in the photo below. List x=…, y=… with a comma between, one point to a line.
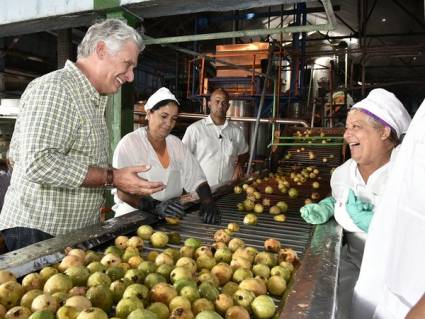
x=216, y=148
x=347, y=176
x=183, y=171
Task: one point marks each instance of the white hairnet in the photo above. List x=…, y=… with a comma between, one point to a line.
x=160, y=95
x=384, y=107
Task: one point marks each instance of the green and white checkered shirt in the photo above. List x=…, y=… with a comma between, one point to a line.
x=59, y=133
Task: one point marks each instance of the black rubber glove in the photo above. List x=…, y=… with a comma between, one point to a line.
x=209, y=212
x=167, y=208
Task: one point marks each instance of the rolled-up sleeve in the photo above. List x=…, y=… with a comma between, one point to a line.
x=48, y=130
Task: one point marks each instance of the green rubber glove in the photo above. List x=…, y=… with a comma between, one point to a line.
x=360, y=212
x=318, y=213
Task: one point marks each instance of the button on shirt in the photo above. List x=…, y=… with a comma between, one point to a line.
x=59, y=133
x=216, y=149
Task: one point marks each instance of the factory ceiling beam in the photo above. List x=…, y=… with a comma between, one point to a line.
x=410, y=14
x=45, y=24
x=345, y=23
x=331, y=25
x=255, y=15
x=161, y=8
x=31, y=16
x=371, y=11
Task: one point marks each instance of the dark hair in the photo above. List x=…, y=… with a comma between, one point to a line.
x=221, y=90
x=163, y=103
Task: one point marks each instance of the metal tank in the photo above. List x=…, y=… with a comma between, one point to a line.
x=241, y=108
x=244, y=108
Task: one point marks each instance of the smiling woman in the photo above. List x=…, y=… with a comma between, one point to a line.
x=373, y=129
x=169, y=160
x=369, y=141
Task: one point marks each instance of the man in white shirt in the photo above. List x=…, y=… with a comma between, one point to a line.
x=217, y=144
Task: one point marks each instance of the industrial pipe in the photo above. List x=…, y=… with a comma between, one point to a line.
x=240, y=119
x=251, y=33
x=238, y=34
x=260, y=107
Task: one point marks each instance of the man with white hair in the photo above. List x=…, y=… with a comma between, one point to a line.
x=60, y=143
x=373, y=130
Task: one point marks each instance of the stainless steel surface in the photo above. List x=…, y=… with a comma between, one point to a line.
x=241, y=108
x=36, y=256
x=313, y=295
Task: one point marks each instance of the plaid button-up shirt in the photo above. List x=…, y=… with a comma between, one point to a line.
x=59, y=133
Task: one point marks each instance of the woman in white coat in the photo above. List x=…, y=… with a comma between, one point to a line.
x=169, y=160
x=392, y=275
x=373, y=129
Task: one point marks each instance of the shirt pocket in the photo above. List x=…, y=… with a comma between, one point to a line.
x=229, y=148
x=92, y=139
x=209, y=147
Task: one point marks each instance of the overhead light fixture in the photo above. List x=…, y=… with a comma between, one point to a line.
x=250, y=16
x=359, y=83
x=36, y=59
x=384, y=20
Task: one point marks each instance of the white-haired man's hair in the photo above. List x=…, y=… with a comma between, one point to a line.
x=113, y=32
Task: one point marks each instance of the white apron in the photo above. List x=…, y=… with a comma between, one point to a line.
x=392, y=277
x=170, y=177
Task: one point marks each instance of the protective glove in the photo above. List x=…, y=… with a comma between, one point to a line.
x=318, y=213
x=209, y=212
x=167, y=208
x=360, y=212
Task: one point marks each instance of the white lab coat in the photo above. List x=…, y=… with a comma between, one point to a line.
x=183, y=171
x=346, y=177
x=217, y=149
x=392, y=276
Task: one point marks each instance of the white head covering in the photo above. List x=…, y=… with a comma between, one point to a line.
x=160, y=95
x=384, y=107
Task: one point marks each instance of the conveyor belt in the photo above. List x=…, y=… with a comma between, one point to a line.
x=315, y=276
x=293, y=233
